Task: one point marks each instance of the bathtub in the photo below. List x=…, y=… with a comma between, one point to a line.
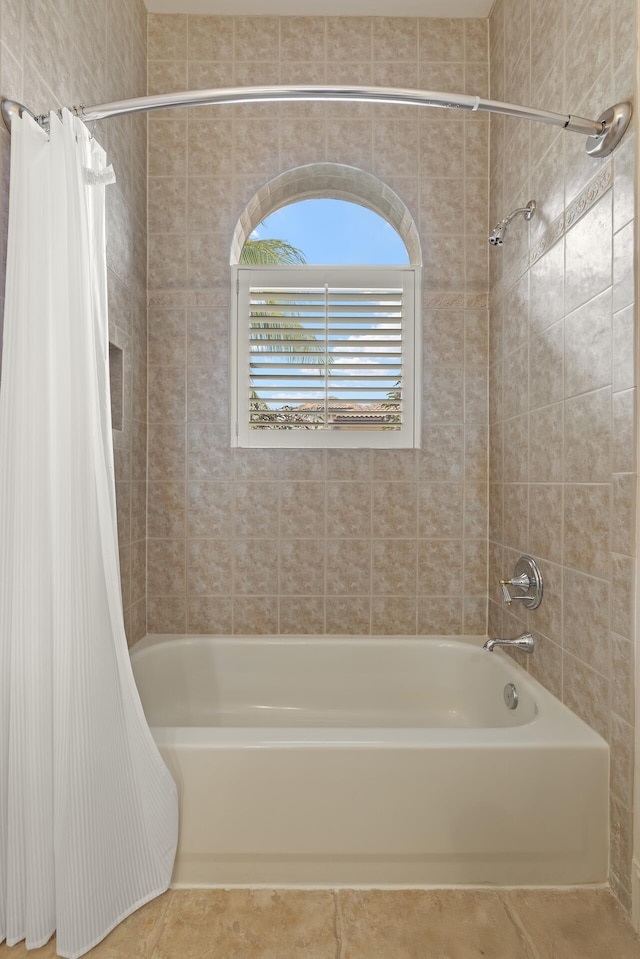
x=371, y=762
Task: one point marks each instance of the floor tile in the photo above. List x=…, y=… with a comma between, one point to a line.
x=248, y=924
x=586, y=924
x=133, y=938
x=136, y=937
x=443, y=924
x=371, y=924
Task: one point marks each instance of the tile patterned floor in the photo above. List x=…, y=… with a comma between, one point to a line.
x=375, y=924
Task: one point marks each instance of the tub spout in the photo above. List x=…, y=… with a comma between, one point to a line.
x=525, y=642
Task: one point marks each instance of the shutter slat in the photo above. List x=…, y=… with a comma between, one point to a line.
x=262, y=369
x=257, y=341
x=357, y=336
x=275, y=309
x=379, y=393
x=355, y=404
x=316, y=347
x=318, y=295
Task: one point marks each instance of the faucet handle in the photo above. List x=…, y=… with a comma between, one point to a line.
x=522, y=581
x=527, y=578
x=505, y=591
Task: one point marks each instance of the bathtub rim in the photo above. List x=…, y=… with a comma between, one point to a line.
x=541, y=731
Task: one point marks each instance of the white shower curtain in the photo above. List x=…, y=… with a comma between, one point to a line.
x=88, y=811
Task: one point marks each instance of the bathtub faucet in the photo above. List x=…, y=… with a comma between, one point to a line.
x=525, y=642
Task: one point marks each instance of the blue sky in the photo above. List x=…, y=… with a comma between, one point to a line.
x=336, y=232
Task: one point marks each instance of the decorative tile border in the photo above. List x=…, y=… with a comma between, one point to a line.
x=455, y=301
x=443, y=301
x=592, y=192
x=179, y=299
x=167, y=299
x=547, y=240
x=477, y=301
x=208, y=298
x=590, y=195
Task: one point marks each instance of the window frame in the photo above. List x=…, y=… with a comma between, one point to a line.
x=408, y=437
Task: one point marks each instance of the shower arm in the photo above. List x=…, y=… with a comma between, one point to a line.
x=527, y=211
x=603, y=134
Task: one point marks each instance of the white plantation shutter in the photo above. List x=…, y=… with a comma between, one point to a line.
x=326, y=356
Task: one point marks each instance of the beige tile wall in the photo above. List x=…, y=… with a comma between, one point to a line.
x=562, y=379
x=54, y=54
x=380, y=542
x=305, y=541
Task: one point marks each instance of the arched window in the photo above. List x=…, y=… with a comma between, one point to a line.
x=326, y=342
x=325, y=231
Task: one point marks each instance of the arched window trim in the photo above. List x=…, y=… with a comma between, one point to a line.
x=328, y=181
x=325, y=181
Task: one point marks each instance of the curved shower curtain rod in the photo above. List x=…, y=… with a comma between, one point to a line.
x=603, y=134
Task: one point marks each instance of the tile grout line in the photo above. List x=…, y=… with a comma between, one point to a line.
x=158, y=927
x=516, y=920
x=337, y=923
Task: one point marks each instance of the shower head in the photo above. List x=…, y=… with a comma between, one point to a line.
x=498, y=233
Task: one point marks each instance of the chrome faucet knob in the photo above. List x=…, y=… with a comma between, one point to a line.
x=528, y=579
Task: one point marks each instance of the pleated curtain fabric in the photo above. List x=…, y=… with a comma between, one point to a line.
x=88, y=811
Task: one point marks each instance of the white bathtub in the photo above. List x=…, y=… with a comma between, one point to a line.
x=315, y=761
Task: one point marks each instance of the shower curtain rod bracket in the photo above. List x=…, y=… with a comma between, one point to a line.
x=614, y=121
x=11, y=109
x=603, y=134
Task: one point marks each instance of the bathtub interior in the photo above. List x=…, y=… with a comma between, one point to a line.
x=318, y=682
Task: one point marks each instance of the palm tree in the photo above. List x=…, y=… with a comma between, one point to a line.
x=271, y=252
x=394, y=399
x=274, y=252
